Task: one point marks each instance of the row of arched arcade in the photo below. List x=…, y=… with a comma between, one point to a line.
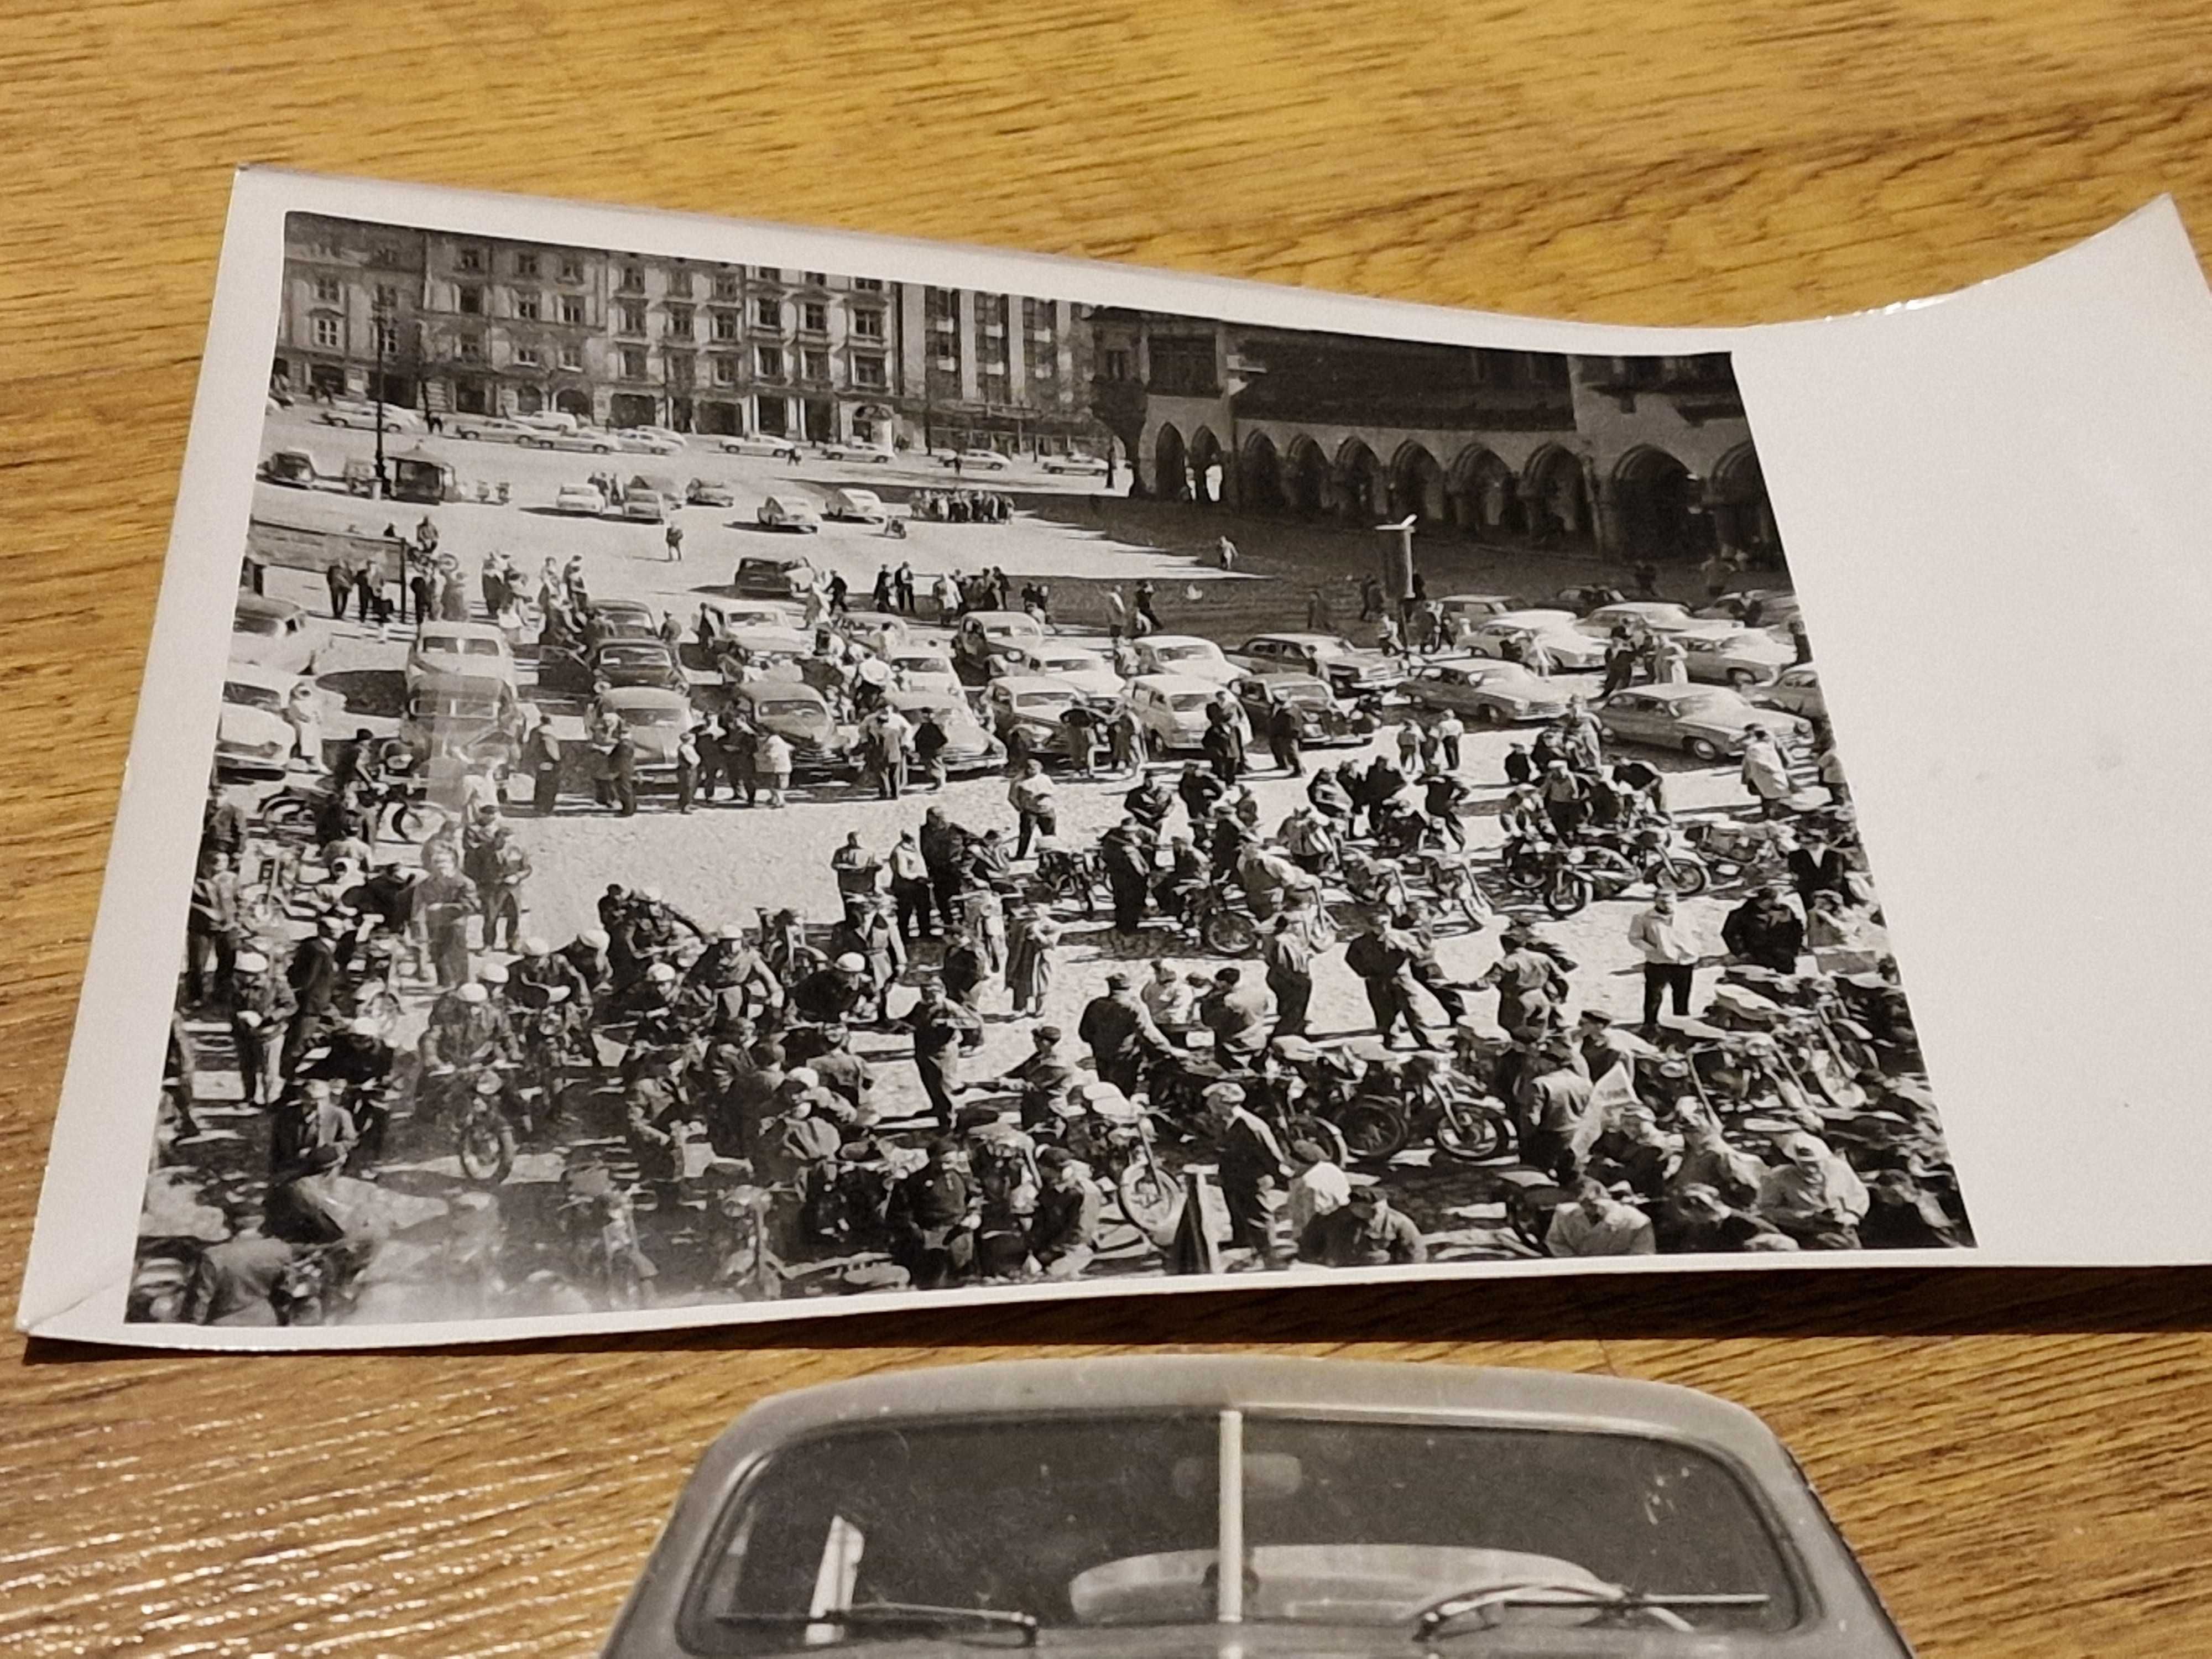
x=1646, y=504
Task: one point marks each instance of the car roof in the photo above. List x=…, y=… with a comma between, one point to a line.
x=1483, y=598
x=1673, y=693
x=1533, y=617
x=756, y=690
x=252, y=673
x=949, y=702
x=1645, y=607
x=1039, y=683
x=1168, y=682
x=771, y=561
x=1157, y=639
x=460, y=630
x=991, y=619
x=255, y=604
x=1303, y=638
x=643, y=696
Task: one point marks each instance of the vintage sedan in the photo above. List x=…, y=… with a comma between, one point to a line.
x=706, y=492
x=1095, y=466
x=721, y=617
x=1647, y=616
x=477, y=719
x=765, y=646
x=840, y=449
x=974, y=461
x=352, y=413
x=637, y=662
x=587, y=440
x=647, y=441
x=1186, y=654
x=650, y=497
x=1583, y=598
x=753, y=443
x=1349, y=668
x=1171, y=710
x=1566, y=645
x=1486, y=692
x=1033, y=702
x=786, y=577
x=1475, y=609
x=1708, y=721
x=1755, y=607
x=252, y=734
x=968, y=747
x=1322, y=719
x=656, y=718
x=853, y=505
x=984, y=636
x=588, y=499
x=797, y=713
x=922, y=667
x=1080, y=1507
x=1737, y=656
x=1795, y=691
x=487, y=429
x=788, y=510
x=477, y=649
x=1071, y=663
x=275, y=634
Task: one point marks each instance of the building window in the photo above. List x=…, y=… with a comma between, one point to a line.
x=572, y=307
x=632, y=280
x=815, y=365
x=949, y=364
x=633, y=362
x=527, y=306
x=768, y=273
x=994, y=387
x=679, y=321
x=330, y=331
x=387, y=296
x=1044, y=367
x=572, y=354
x=726, y=325
x=630, y=318
x=572, y=271
x=527, y=356
x=725, y=285
x=868, y=284
x=470, y=258
x=472, y=347
x=387, y=338
x=384, y=254
x=469, y=301
x=868, y=371
x=1183, y=365
x=768, y=361
x=525, y=265
x=814, y=317
x=817, y=279
x=726, y=371
x=767, y=312
x=326, y=290
x=868, y=325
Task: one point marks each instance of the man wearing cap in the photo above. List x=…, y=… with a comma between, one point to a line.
x=1125, y=852
x=1149, y=802
x=1045, y=1077
x=588, y=954
x=1063, y=1232
x=857, y=874
x=1603, y=1047
x=261, y=1008
x=1251, y=1169
x=1287, y=949
x=465, y=1029
x=1596, y=1224
x=1036, y=806
x=731, y=964
x=932, y=1216
x=1670, y=959
x=359, y=1061
x=1236, y=1014
x=1383, y=957
x=445, y=900
x=1121, y=1034
x=315, y=978
x=212, y=927
x=1557, y=1118
x=1764, y=929
x=539, y=972
x=832, y=994
x=1365, y=1232
x=940, y=1028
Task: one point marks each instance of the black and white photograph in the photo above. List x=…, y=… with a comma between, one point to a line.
x=747, y=784
x=1088, y=1506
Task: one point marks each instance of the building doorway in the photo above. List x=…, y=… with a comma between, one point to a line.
x=632, y=408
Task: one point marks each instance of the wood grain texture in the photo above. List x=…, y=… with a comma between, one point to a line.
x=2022, y=1460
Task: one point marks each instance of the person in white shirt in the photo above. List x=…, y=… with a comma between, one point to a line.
x=1597, y=1223
x=1318, y=1188
x=1670, y=959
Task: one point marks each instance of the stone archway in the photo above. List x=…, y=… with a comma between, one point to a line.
x=1556, y=500
x=1171, y=466
x=1485, y=495
x=1742, y=516
x=1259, y=476
x=574, y=400
x=1362, y=487
x=1306, y=479
x=1659, y=506
x=1209, y=470
x=1417, y=485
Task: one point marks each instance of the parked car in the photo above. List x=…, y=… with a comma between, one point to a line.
x=650, y=497
x=479, y=650
x=968, y=747
x=1795, y=691
x=1569, y=646
x=1090, y=463
x=252, y=734
x=1486, y=692
x=296, y=468
x=797, y=713
x=1184, y=654
x=840, y=449
x=583, y=440
x=1707, y=721
x=476, y=718
x=975, y=460
x=623, y=616
x=755, y=443
x=925, y=667
x=1736, y=656
x=1077, y=1508
x=1171, y=710
x=855, y=506
x=275, y=634
x=725, y=616
x=781, y=578
x=1476, y=608
x=638, y=662
x=584, y=498
x=1755, y=607
x=488, y=429
x=1584, y=598
x=705, y=492
x=1349, y=668
x=648, y=440
x=1033, y=702
x=786, y=510
x=1072, y=663
x=1322, y=719
x=352, y=413
x=657, y=718
x=768, y=646
x=1652, y=615
x=549, y=420
x=982, y=636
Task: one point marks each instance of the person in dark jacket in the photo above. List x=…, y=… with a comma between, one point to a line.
x=1765, y=931
x=1364, y=1232
x=932, y=1216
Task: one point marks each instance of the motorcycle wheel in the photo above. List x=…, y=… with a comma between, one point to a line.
x=1373, y=1133
x=486, y=1145
x=1148, y=1196
x=285, y=812
x=1608, y=873
x=1566, y=892
x=1686, y=876
x=1472, y=1135
x=1230, y=933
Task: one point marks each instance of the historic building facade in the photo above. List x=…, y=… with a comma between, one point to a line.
x=1632, y=458
x=995, y=371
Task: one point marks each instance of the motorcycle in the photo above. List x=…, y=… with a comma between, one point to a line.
x=1070, y=877
x=1113, y=1136
x=320, y=1284
x=1450, y=877
x=1561, y=875
x=1378, y=1124
x=598, y=1223
x=1220, y=918
x=1649, y=858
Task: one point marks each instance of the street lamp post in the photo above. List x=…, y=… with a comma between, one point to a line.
x=1398, y=564
x=379, y=319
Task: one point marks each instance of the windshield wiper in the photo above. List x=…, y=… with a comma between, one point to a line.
x=1433, y=1620
x=880, y=1614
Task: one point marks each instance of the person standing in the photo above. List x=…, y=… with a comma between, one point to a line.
x=930, y=743
x=1566, y=800
x=1036, y=808
x=1766, y=772
x=687, y=768
x=1287, y=949
x=1448, y=733
x=1126, y=851
x=882, y=596
x=910, y=889
x=1236, y=1014
x=1284, y=737
x=338, y=577
x=261, y=1010
x=1252, y=1171
x=622, y=772
x=1621, y=655
x=1800, y=642
x=1764, y=929
x=1670, y=959
x=1670, y=660
x=940, y=1028
x=674, y=541
x=1120, y=1033
x=444, y=901
x=505, y=867
x=1146, y=594
x=1384, y=961
x=772, y=761
x=1030, y=936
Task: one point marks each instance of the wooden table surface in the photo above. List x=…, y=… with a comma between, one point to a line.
x=2021, y=1460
